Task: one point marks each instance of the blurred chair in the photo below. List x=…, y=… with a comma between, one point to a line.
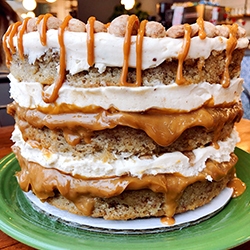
x=5, y=119
x=245, y=74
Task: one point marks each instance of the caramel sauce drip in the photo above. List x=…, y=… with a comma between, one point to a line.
x=168, y=221
x=20, y=37
x=72, y=137
x=180, y=80
x=60, y=79
x=43, y=19
x=91, y=41
x=39, y=19
x=217, y=174
x=44, y=181
x=163, y=128
x=107, y=24
x=202, y=34
x=34, y=144
x=85, y=204
x=6, y=49
x=215, y=144
x=126, y=51
x=231, y=45
x=12, y=34
x=139, y=44
x=238, y=187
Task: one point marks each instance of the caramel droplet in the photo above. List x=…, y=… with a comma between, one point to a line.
x=71, y=137
x=168, y=221
x=215, y=145
x=238, y=186
x=202, y=33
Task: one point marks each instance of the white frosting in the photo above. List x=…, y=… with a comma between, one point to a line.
x=109, y=49
x=173, y=96
x=92, y=166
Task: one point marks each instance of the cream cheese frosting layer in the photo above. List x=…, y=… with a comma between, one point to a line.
x=131, y=99
x=94, y=166
x=109, y=49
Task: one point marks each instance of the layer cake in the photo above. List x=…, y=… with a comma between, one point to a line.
x=124, y=120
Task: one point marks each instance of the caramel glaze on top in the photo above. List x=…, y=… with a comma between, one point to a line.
x=12, y=31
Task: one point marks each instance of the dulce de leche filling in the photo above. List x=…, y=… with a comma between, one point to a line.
x=82, y=192
x=163, y=128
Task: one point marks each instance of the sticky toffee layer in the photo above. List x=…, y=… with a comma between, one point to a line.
x=90, y=196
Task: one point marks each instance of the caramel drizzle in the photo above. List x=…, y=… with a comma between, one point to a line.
x=43, y=19
x=6, y=49
x=60, y=79
x=91, y=41
x=180, y=80
x=39, y=19
x=231, y=45
x=12, y=34
x=202, y=34
x=126, y=51
x=20, y=37
x=139, y=44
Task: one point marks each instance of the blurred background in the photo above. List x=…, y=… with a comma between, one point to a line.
x=167, y=12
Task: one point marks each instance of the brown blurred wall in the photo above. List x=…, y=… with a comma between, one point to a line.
x=103, y=9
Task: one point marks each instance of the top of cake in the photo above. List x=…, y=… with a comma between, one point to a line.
x=123, y=41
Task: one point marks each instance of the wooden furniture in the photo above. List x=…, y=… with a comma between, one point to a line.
x=8, y=243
